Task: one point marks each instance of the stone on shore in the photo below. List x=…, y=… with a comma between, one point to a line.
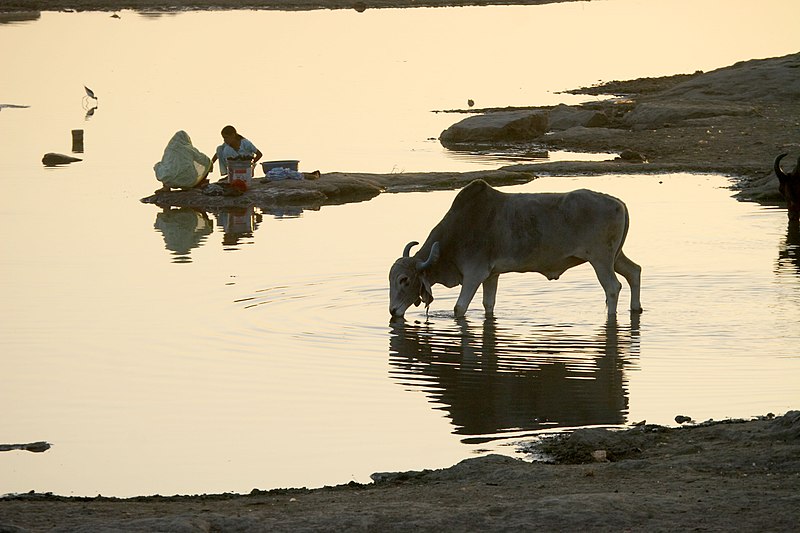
x=652, y=115
x=564, y=117
x=503, y=126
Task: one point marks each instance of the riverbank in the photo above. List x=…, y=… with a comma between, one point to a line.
x=732, y=121
x=283, y=5
x=723, y=476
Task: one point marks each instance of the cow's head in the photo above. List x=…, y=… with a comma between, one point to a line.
x=789, y=187
x=408, y=283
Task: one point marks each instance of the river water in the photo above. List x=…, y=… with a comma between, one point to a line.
x=185, y=353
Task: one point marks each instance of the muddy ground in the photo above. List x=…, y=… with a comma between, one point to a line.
x=736, y=475
x=728, y=476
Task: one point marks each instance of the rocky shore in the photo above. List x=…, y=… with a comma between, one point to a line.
x=731, y=121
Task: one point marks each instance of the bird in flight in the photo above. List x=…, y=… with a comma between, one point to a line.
x=89, y=92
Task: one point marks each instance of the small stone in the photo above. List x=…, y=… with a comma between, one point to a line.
x=600, y=456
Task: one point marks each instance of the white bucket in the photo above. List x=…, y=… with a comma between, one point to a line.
x=239, y=170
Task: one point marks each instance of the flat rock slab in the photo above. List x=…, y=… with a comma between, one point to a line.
x=332, y=189
x=501, y=126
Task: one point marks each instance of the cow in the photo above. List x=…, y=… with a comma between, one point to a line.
x=487, y=233
x=789, y=187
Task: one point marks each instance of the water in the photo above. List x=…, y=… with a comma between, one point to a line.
x=184, y=353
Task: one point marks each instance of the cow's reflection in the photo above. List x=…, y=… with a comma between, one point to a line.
x=789, y=251
x=183, y=229
x=491, y=380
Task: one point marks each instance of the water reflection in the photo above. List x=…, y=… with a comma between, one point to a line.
x=493, y=380
x=183, y=229
x=789, y=251
x=238, y=223
x=19, y=16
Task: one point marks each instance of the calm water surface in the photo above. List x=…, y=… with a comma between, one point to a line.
x=185, y=352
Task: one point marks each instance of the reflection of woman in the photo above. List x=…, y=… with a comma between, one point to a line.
x=183, y=228
x=235, y=146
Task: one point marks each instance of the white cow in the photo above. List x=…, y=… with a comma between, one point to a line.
x=487, y=233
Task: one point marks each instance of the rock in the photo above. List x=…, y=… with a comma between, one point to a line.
x=631, y=156
x=52, y=159
x=652, y=116
x=682, y=419
x=563, y=117
x=35, y=447
x=600, y=456
x=773, y=79
x=786, y=427
x=497, y=126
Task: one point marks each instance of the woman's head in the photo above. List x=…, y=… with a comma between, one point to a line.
x=229, y=134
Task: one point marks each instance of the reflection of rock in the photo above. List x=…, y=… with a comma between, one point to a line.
x=52, y=159
x=500, y=126
x=183, y=228
x=789, y=252
x=19, y=16
x=501, y=382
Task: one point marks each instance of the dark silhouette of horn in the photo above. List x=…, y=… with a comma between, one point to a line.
x=778, y=171
x=409, y=246
x=432, y=258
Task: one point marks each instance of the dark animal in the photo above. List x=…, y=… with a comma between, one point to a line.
x=487, y=233
x=789, y=187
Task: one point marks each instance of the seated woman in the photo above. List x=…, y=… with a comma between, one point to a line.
x=182, y=166
x=234, y=146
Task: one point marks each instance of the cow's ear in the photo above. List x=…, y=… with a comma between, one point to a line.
x=426, y=294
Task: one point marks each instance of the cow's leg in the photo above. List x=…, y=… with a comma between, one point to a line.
x=610, y=283
x=633, y=275
x=469, y=286
x=490, y=294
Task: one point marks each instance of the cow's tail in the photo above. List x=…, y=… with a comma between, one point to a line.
x=624, y=230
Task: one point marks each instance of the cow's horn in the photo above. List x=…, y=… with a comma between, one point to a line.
x=778, y=172
x=409, y=246
x=432, y=258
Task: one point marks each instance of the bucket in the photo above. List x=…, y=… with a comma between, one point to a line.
x=290, y=164
x=239, y=170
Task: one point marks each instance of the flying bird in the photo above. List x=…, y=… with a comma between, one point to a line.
x=470, y=102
